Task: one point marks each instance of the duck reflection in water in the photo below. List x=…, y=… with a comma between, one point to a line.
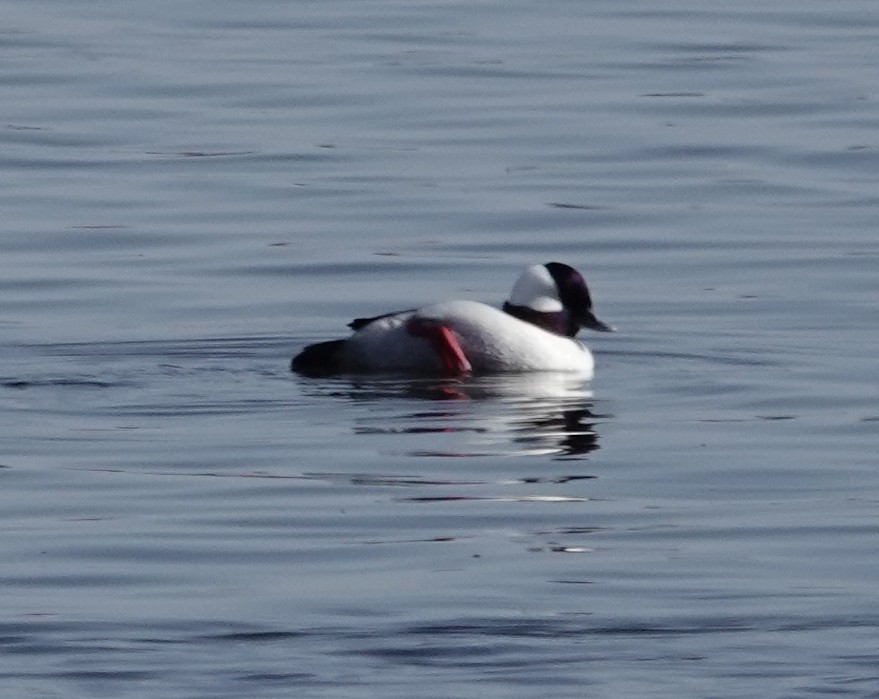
x=571, y=431
x=548, y=413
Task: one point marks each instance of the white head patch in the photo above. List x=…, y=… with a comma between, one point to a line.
x=537, y=290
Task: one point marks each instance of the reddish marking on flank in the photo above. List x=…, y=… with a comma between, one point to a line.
x=443, y=341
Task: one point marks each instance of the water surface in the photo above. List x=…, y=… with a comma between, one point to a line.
x=195, y=191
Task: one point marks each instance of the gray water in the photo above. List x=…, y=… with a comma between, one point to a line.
x=192, y=191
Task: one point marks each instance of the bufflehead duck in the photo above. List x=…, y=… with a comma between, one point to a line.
x=534, y=331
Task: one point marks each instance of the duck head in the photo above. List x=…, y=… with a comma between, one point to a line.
x=554, y=296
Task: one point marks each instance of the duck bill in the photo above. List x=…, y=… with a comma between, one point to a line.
x=590, y=321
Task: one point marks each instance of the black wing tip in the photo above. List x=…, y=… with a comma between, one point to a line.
x=359, y=323
x=321, y=359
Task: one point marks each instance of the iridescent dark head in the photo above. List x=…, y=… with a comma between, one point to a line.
x=555, y=297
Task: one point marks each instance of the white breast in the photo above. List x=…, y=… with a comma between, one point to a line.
x=491, y=339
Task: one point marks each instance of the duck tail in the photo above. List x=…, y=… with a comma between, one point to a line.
x=320, y=359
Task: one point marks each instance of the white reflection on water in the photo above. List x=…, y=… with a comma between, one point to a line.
x=550, y=414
